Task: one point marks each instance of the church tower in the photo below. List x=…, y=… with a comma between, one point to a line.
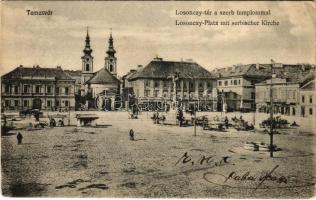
x=110, y=59
x=87, y=61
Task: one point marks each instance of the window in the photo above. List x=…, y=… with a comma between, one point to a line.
x=310, y=99
x=156, y=92
x=25, y=103
x=231, y=82
x=239, y=82
x=16, y=89
x=191, y=86
x=156, y=84
x=7, y=102
x=293, y=111
x=57, y=90
x=147, y=93
x=185, y=86
x=235, y=82
x=37, y=89
x=147, y=83
x=7, y=89
x=49, y=103
x=87, y=67
x=220, y=83
x=226, y=83
x=311, y=111
x=253, y=95
x=49, y=89
x=303, y=98
x=111, y=68
x=66, y=103
x=25, y=89
x=209, y=84
x=165, y=84
x=57, y=103
x=16, y=103
x=66, y=91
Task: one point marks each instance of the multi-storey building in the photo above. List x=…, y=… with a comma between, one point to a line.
x=308, y=96
x=166, y=81
x=285, y=96
x=237, y=84
x=37, y=87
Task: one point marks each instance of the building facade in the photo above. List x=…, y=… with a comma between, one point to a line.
x=162, y=82
x=237, y=83
x=38, y=88
x=308, y=97
x=105, y=80
x=285, y=96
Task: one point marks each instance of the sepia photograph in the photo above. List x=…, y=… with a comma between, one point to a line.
x=158, y=99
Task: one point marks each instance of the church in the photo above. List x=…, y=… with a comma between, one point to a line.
x=101, y=82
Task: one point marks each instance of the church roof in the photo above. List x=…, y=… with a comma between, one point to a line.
x=37, y=71
x=103, y=76
x=163, y=69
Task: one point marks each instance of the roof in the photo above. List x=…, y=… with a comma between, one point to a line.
x=129, y=74
x=249, y=70
x=163, y=69
x=21, y=71
x=291, y=72
x=103, y=76
x=309, y=86
x=73, y=72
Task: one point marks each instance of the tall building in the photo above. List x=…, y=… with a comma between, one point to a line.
x=38, y=88
x=104, y=82
x=110, y=59
x=87, y=64
x=163, y=82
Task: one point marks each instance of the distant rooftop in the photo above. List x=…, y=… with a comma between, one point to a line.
x=158, y=68
x=37, y=71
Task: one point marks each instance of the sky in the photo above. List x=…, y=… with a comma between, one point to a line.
x=143, y=30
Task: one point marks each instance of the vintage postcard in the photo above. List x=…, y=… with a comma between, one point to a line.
x=152, y=99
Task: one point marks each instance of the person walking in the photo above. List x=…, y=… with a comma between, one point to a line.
x=131, y=134
x=19, y=137
x=226, y=122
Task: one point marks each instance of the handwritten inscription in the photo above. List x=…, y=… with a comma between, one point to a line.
x=210, y=160
x=250, y=180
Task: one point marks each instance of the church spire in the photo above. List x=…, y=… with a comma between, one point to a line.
x=111, y=51
x=110, y=59
x=87, y=50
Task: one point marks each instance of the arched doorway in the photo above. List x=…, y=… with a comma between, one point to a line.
x=37, y=103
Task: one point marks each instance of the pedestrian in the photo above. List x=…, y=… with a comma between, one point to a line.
x=131, y=134
x=19, y=137
x=226, y=122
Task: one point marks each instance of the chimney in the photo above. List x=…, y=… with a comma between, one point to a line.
x=58, y=67
x=158, y=59
x=257, y=66
x=21, y=66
